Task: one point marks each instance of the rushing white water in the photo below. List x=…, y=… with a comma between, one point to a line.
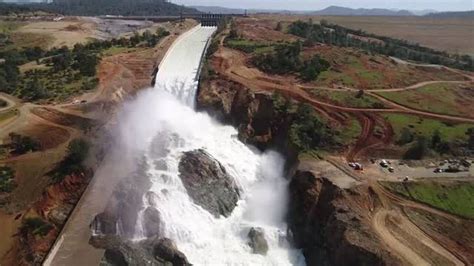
x=166, y=114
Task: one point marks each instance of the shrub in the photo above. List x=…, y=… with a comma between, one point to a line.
x=7, y=181
x=37, y=226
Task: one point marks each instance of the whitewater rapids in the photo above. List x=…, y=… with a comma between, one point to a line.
x=167, y=112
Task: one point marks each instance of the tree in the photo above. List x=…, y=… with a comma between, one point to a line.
x=62, y=61
x=417, y=151
x=406, y=137
x=470, y=141
x=435, y=139
x=307, y=131
x=279, y=27
x=22, y=144
x=86, y=63
x=34, y=90
x=78, y=150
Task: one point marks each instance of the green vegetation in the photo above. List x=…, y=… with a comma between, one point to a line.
x=422, y=134
x=349, y=133
x=77, y=152
x=348, y=98
x=309, y=132
x=22, y=144
x=98, y=8
x=456, y=198
x=418, y=150
x=67, y=71
x=470, y=137
x=7, y=179
x=426, y=127
x=286, y=58
x=436, y=98
x=344, y=37
x=246, y=46
x=36, y=226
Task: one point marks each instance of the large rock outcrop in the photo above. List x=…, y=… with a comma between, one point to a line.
x=154, y=251
x=253, y=113
x=332, y=225
x=208, y=183
x=257, y=242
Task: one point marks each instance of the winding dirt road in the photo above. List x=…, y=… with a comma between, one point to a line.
x=233, y=64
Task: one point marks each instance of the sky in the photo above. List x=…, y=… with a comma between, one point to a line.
x=440, y=5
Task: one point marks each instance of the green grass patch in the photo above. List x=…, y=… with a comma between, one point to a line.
x=348, y=98
x=331, y=76
x=247, y=46
x=436, y=98
x=426, y=127
x=350, y=133
x=456, y=197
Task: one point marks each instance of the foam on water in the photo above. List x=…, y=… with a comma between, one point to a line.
x=170, y=116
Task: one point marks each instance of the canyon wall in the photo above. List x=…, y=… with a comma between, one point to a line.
x=332, y=225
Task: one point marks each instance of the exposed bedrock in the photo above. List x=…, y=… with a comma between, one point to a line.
x=154, y=251
x=332, y=225
x=121, y=213
x=208, y=183
x=257, y=241
x=252, y=113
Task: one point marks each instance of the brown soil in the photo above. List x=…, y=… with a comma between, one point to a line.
x=261, y=30
x=120, y=76
x=376, y=132
x=49, y=137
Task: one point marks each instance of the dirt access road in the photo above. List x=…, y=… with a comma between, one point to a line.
x=404, y=237
x=233, y=65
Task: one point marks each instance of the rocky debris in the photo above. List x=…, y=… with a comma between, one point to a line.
x=59, y=214
x=151, y=222
x=208, y=183
x=156, y=251
x=257, y=242
x=332, y=225
x=105, y=223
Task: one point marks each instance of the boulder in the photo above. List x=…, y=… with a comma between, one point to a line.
x=208, y=183
x=154, y=251
x=257, y=241
x=105, y=223
x=151, y=222
x=166, y=249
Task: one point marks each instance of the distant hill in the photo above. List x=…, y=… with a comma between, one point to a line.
x=423, y=12
x=330, y=11
x=345, y=11
x=105, y=7
x=460, y=14
x=219, y=10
